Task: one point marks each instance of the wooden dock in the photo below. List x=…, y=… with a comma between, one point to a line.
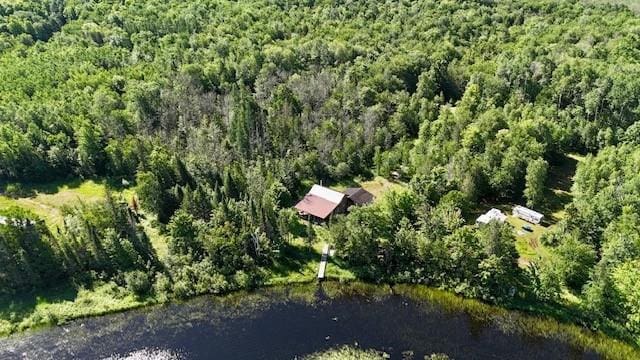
x=323, y=262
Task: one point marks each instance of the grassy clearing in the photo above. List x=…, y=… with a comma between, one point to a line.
x=61, y=304
x=377, y=186
x=48, y=200
x=527, y=241
x=299, y=262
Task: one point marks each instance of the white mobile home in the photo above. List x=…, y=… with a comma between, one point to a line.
x=491, y=215
x=526, y=214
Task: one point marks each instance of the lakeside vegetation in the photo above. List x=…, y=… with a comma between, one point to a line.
x=210, y=119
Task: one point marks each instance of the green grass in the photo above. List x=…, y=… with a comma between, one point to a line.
x=299, y=261
x=63, y=303
x=527, y=242
x=347, y=353
x=377, y=186
x=48, y=200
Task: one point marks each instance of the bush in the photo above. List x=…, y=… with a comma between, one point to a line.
x=182, y=289
x=138, y=283
x=243, y=280
x=162, y=287
x=16, y=190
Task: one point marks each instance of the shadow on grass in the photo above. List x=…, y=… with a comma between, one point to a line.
x=30, y=190
x=16, y=307
x=299, y=229
x=294, y=259
x=561, y=173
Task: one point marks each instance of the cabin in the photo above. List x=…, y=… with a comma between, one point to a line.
x=321, y=203
x=358, y=196
x=528, y=215
x=491, y=215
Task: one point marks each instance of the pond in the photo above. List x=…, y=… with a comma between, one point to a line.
x=282, y=324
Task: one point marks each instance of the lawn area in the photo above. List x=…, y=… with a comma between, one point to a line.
x=299, y=261
x=58, y=305
x=527, y=242
x=48, y=200
x=377, y=186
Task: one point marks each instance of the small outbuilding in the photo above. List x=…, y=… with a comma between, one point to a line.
x=321, y=203
x=359, y=196
x=528, y=215
x=491, y=215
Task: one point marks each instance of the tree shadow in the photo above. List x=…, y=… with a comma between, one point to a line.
x=31, y=190
x=560, y=181
x=561, y=173
x=299, y=229
x=16, y=307
x=293, y=259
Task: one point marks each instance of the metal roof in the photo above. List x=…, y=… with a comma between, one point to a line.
x=528, y=212
x=327, y=194
x=359, y=195
x=316, y=206
x=493, y=214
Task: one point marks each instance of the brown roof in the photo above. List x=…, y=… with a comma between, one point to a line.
x=316, y=206
x=359, y=195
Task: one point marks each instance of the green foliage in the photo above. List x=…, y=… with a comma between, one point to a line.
x=627, y=283
x=535, y=183
x=397, y=239
x=348, y=353
x=221, y=110
x=29, y=257
x=576, y=259
x=138, y=282
x=105, y=238
x=183, y=235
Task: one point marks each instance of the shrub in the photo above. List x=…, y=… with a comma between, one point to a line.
x=182, y=289
x=162, y=287
x=16, y=190
x=138, y=282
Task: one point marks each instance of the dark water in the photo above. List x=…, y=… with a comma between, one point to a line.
x=275, y=325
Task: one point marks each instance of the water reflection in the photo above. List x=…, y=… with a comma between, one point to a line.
x=148, y=354
x=276, y=324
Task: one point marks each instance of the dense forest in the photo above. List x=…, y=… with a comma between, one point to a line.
x=222, y=113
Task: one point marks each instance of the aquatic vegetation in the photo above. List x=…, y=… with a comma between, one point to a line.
x=346, y=353
x=510, y=321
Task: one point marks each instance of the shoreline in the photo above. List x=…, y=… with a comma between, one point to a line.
x=508, y=320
